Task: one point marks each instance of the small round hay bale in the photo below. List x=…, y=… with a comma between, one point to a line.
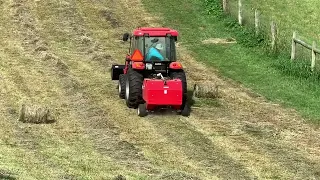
x=35, y=114
x=205, y=90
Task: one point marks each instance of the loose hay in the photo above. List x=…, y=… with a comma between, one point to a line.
x=219, y=41
x=35, y=114
x=205, y=90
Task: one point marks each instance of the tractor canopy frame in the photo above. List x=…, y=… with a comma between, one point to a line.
x=144, y=38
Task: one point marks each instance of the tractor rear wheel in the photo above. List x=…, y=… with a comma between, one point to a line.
x=133, y=92
x=122, y=85
x=182, y=76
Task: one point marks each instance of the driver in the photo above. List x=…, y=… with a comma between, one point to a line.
x=159, y=47
x=155, y=51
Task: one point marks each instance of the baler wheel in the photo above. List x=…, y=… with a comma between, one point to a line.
x=185, y=110
x=142, y=110
x=122, y=85
x=133, y=92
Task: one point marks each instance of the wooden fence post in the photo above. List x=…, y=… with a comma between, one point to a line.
x=240, y=12
x=293, y=46
x=273, y=35
x=257, y=20
x=225, y=5
x=313, y=60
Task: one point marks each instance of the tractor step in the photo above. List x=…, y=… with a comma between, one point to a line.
x=116, y=70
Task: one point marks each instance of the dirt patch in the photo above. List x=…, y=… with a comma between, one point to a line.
x=219, y=41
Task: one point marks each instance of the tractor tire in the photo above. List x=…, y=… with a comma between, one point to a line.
x=182, y=76
x=133, y=92
x=122, y=85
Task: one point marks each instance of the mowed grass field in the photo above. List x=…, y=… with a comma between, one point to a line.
x=58, y=53
x=274, y=77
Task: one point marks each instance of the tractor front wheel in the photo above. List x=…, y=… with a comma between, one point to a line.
x=133, y=92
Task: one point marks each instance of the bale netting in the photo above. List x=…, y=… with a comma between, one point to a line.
x=205, y=90
x=35, y=115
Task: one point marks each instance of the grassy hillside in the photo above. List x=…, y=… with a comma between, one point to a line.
x=274, y=77
x=302, y=16
x=58, y=54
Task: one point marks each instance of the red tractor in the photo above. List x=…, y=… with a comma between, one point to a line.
x=151, y=77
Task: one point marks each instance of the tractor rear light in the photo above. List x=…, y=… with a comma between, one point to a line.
x=138, y=65
x=175, y=65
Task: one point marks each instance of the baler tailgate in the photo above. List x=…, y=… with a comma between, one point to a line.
x=156, y=92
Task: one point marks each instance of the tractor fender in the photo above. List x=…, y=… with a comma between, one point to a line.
x=116, y=70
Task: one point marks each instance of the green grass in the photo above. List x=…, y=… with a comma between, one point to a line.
x=272, y=76
x=300, y=16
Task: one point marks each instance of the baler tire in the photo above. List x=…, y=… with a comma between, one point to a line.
x=142, y=110
x=122, y=85
x=185, y=110
x=133, y=93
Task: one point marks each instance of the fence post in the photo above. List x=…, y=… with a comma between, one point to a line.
x=225, y=5
x=313, y=60
x=257, y=20
x=273, y=35
x=293, y=46
x=240, y=12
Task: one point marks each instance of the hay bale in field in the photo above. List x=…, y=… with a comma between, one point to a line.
x=35, y=114
x=205, y=90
